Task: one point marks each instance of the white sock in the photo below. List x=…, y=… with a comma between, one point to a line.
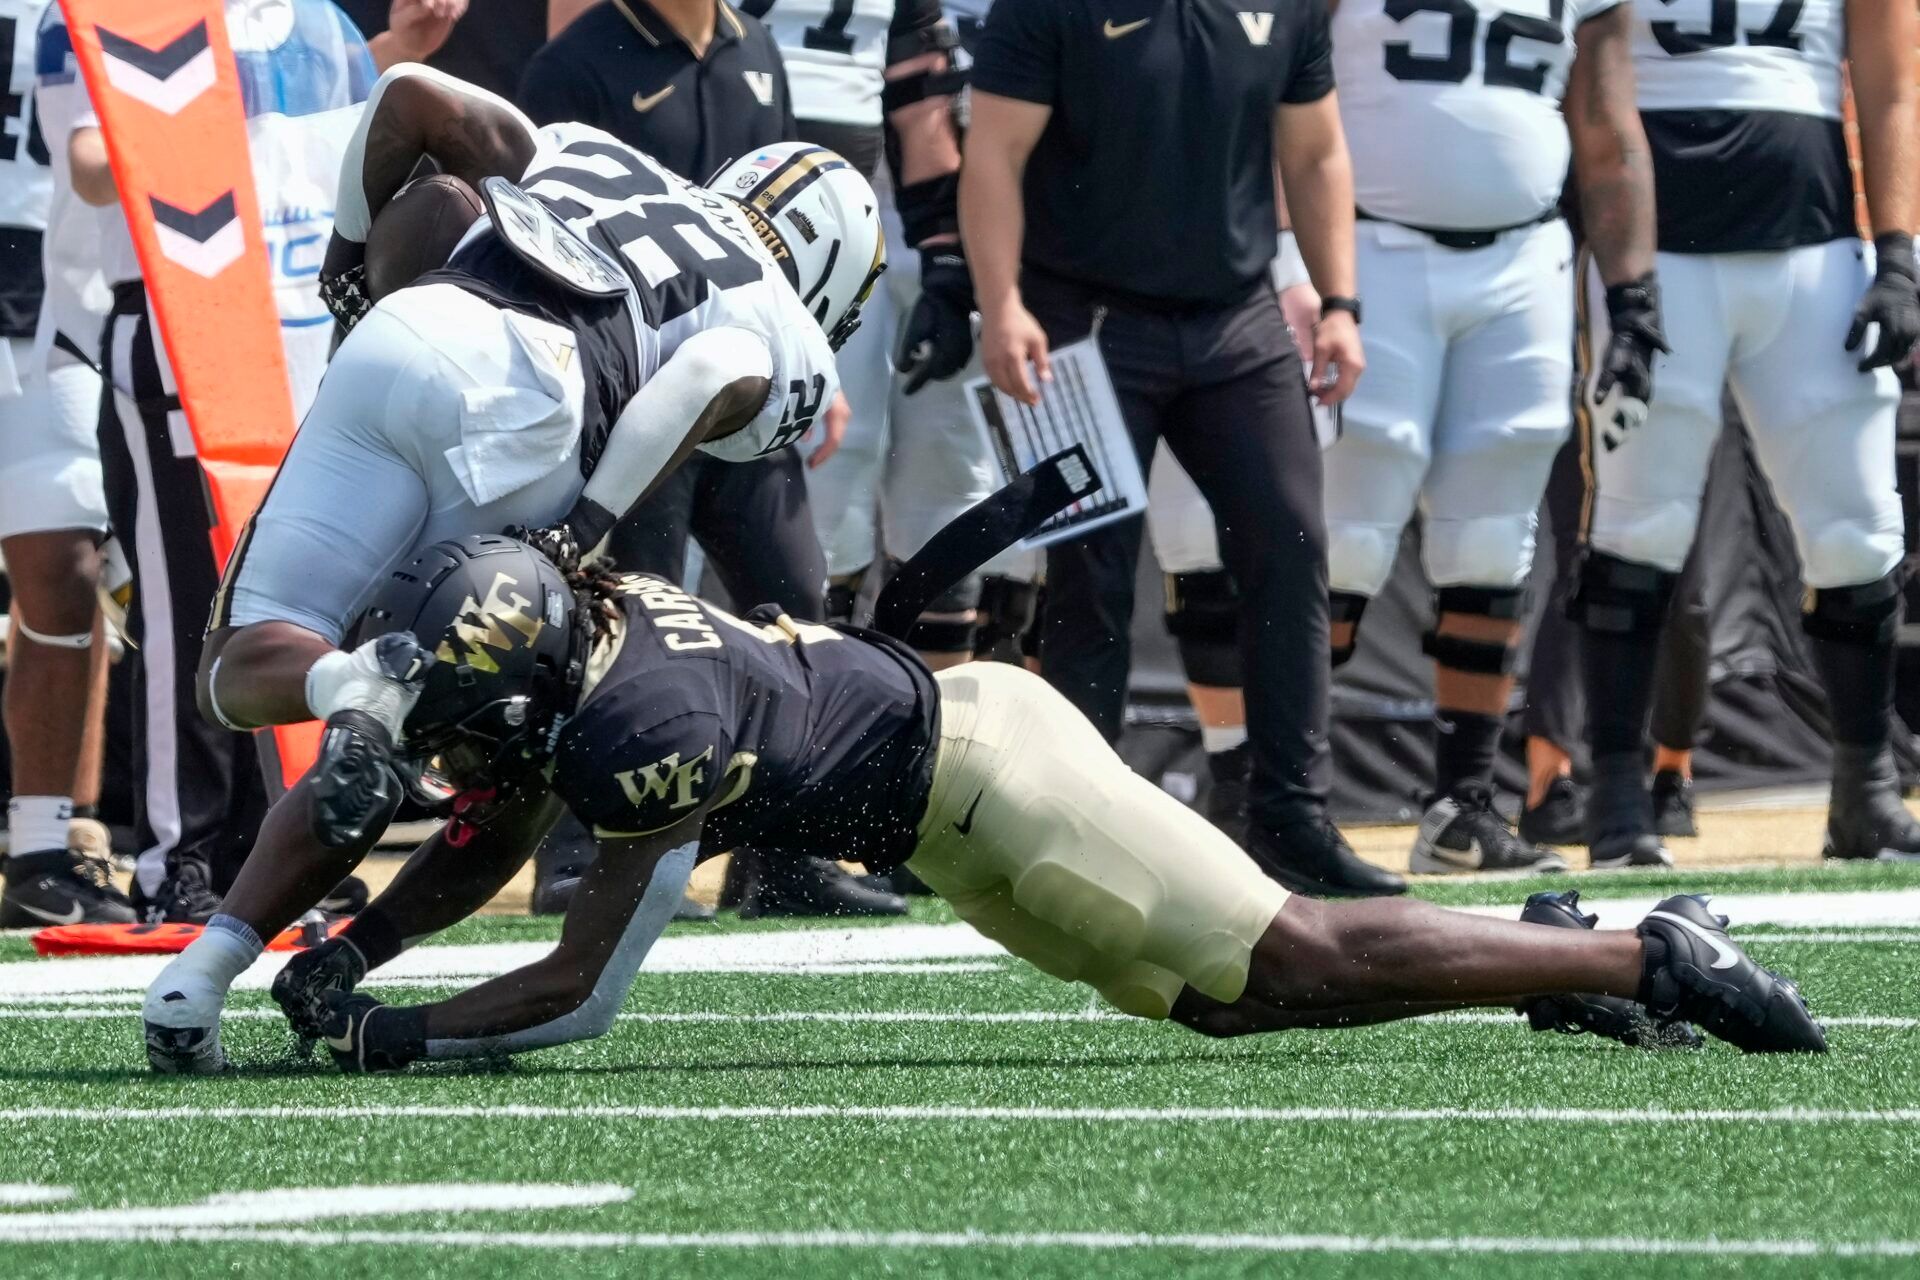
x=1216, y=738
x=192, y=988
x=36, y=824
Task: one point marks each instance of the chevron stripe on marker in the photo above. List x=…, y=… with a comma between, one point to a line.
x=166, y=79
x=205, y=243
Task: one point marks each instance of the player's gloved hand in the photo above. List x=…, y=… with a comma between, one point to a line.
x=1624, y=385
x=938, y=339
x=343, y=281
x=364, y=1035
x=364, y=696
x=335, y=965
x=1890, y=303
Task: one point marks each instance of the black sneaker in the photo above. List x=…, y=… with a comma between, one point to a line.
x=1559, y=818
x=1461, y=832
x=1620, y=817
x=1865, y=819
x=900, y=880
x=1312, y=857
x=1673, y=804
x=1695, y=971
x=813, y=887
x=348, y=898
x=186, y=898
x=1611, y=1017
x=553, y=891
x=1226, y=806
x=75, y=890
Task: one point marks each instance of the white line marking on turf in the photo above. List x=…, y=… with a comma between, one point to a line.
x=1125, y=1115
x=32, y=1193
x=306, y=1204
x=1089, y=1241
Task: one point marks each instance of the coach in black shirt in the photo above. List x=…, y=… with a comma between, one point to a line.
x=1119, y=177
x=623, y=67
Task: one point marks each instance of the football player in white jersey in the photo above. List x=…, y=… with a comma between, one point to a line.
x=1463, y=118
x=1773, y=292
x=873, y=78
x=53, y=508
x=602, y=322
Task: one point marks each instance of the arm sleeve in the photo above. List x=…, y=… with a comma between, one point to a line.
x=1311, y=77
x=649, y=432
x=1019, y=53
x=651, y=779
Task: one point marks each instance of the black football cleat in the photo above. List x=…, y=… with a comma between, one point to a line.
x=1866, y=819
x=1312, y=857
x=1673, y=804
x=1559, y=818
x=1611, y=1017
x=60, y=887
x=1226, y=806
x=1695, y=971
x=1462, y=832
x=1620, y=819
x=787, y=885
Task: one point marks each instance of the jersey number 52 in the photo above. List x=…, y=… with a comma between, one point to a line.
x=1456, y=64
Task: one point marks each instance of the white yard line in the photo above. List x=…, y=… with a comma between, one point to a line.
x=1083, y=1241
x=1788, y=1116
x=38, y=1011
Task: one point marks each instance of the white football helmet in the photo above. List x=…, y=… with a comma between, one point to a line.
x=817, y=217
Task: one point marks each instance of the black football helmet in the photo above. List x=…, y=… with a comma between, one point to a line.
x=510, y=648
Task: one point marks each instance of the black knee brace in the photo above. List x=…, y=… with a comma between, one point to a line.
x=1009, y=609
x=1203, y=617
x=1345, y=606
x=1480, y=657
x=951, y=621
x=1618, y=597
x=1868, y=614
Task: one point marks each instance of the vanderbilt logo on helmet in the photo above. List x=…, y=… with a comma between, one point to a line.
x=481, y=628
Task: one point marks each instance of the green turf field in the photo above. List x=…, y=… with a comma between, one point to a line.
x=974, y=1117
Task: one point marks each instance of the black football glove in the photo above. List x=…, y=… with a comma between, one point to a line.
x=1890, y=303
x=343, y=282
x=364, y=1035
x=938, y=339
x=1624, y=385
x=334, y=965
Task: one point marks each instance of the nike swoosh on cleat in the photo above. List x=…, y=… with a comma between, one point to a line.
x=1725, y=956
x=342, y=1043
x=74, y=917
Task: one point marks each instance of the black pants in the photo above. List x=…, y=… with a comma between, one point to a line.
x=1556, y=699
x=198, y=789
x=1224, y=388
x=753, y=522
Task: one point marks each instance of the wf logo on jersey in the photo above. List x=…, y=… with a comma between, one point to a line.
x=167, y=79
x=480, y=631
x=666, y=778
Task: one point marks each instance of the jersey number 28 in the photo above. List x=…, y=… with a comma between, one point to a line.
x=1456, y=64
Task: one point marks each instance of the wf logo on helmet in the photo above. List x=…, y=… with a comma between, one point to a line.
x=480, y=628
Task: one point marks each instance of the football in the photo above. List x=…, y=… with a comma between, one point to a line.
x=417, y=231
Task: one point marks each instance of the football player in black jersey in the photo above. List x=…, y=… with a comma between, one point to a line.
x=676, y=730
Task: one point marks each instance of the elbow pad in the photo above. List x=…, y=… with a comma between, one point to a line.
x=930, y=208
x=943, y=80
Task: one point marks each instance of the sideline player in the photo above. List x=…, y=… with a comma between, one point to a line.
x=676, y=730
x=1463, y=122
x=873, y=79
x=1771, y=292
x=53, y=507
